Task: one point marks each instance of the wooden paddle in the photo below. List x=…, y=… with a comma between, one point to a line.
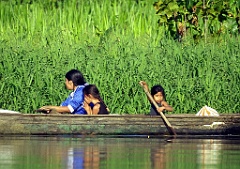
x=165, y=120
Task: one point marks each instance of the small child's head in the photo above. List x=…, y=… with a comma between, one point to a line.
x=74, y=78
x=91, y=92
x=158, y=93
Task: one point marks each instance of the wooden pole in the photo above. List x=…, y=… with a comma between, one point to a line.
x=165, y=120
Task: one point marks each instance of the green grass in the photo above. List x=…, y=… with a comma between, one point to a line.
x=115, y=45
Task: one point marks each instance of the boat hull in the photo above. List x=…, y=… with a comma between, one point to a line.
x=58, y=124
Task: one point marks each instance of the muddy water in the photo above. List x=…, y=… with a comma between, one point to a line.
x=131, y=152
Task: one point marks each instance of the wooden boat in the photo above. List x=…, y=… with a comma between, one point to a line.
x=55, y=124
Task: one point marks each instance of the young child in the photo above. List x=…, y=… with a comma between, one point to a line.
x=158, y=95
x=93, y=101
x=74, y=81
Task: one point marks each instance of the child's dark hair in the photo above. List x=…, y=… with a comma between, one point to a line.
x=158, y=88
x=93, y=90
x=76, y=77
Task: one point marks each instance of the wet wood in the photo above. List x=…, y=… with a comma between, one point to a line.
x=52, y=124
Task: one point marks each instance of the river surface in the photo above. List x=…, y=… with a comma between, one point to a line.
x=126, y=152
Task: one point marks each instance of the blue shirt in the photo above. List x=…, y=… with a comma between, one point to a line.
x=75, y=101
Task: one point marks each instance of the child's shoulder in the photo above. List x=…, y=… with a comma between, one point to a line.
x=164, y=103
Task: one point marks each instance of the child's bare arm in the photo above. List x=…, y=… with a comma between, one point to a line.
x=96, y=109
x=87, y=108
x=59, y=109
x=160, y=109
x=166, y=106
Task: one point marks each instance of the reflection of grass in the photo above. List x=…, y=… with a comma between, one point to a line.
x=36, y=51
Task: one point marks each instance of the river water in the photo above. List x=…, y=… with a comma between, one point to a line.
x=126, y=152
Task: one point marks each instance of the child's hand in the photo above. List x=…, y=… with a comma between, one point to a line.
x=46, y=108
x=160, y=109
x=87, y=107
x=144, y=84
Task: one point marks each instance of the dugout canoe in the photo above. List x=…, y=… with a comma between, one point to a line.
x=58, y=124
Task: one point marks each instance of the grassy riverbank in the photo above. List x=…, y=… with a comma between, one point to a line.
x=38, y=46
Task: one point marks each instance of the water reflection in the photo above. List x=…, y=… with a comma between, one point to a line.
x=87, y=158
x=158, y=158
x=6, y=155
x=75, y=158
x=127, y=153
x=92, y=158
x=209, y=153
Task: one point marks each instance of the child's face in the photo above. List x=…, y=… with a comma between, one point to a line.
x=158, y=97
x=68, y=84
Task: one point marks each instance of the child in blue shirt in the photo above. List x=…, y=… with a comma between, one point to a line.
x=74, y=103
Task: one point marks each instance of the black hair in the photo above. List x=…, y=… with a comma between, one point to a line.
x=158, y=88
x=76, y=77
x=93, y=90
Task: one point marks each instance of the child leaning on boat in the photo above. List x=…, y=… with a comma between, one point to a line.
x=93, y=101
x=159, y=97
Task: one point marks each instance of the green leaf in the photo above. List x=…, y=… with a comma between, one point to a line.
x=169, y=14
x=173, y=7
x=163, y=20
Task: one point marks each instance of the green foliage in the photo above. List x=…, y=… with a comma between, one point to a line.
x=193, y=76
x=198, y=18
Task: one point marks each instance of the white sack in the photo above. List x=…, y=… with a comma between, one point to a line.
x=207, y=111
